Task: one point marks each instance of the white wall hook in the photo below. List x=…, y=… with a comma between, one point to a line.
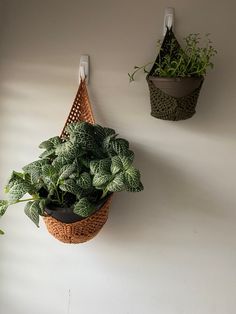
x=84, y=68
x=168, y=19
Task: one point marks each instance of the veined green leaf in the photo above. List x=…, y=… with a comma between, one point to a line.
x=32, y=210
x=120, y=146
x=94, y=166
x=117, y=184
x=126, y=161
x=51, y=143
x=34, y=169
x=102, y=132
x=82, y=134
x=27, y=178
x=3, y=207
x=36, y=175
x=59, y=162
x=16, y=175
x=84, y=208
x=107, y=142
x=84, y=180
x=66, y=171
x=47, y=153
x=67, y=150
x=48, y=170
x=86, y=140
x=42, y=205
x=77, y=127
x=116, y=164
x=109, y=131
x=132, y=177
x=130, y=155
x=72, y=128
x=120, y=163
x=20, y=179
x=18, y=190
x=70, y=186
x=102, y=165
x=101, y=179
x=14, y=178
x=50, y=177
x=139, y=188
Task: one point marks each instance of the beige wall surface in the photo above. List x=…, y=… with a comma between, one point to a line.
x=168, y=250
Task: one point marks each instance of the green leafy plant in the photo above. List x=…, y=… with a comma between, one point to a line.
x=76, y=171
x=192, y=60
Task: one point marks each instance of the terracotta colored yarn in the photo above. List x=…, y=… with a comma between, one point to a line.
x=82, y=230
x=81, y=109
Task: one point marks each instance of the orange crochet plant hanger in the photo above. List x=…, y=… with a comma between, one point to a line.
x=86, y=229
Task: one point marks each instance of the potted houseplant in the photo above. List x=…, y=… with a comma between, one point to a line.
x=74, y=177
x=177, y=74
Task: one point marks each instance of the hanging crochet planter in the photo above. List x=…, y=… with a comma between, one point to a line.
x=77, y=230
x=72, y=183
x=63, y=224
x=172, y=98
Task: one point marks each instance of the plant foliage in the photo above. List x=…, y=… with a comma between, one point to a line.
x=76, y=171
x=191, y=60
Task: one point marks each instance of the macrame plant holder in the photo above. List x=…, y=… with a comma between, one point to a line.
x=172, y=98
x=85, y=229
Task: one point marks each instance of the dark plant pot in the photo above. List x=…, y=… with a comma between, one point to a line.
x=174, y=98
x=67, y=215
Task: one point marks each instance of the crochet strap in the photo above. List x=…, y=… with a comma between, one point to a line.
x=81, y=109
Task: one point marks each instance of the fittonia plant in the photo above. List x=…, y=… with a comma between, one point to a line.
x=76, y=171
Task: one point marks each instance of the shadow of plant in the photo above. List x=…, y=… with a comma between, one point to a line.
x=172, y=198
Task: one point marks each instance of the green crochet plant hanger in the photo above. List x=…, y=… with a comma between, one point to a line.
x=172, y=98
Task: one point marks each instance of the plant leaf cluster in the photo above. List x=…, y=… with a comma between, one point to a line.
x=191, y=60
x=76, y=171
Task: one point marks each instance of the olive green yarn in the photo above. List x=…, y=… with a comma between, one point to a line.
x=166, y=107
x=163, y=105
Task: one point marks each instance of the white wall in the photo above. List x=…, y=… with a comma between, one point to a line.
x=168, y=250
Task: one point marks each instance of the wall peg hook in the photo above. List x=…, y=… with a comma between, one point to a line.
x=168, y=19
x=84, y=68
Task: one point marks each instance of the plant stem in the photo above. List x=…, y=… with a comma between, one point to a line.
x=131, y=76
x=180, y=60
x=104, y=193
x=28, y=199
x=58, y=196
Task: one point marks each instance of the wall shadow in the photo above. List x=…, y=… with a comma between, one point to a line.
x=170, y=194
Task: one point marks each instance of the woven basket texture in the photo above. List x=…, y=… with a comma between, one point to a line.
x=164, y=106
x=82, y=230
x=167, y=107
x=81, y=109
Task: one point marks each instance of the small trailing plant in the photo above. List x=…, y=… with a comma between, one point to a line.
x=76, y=171
x=191, y=60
